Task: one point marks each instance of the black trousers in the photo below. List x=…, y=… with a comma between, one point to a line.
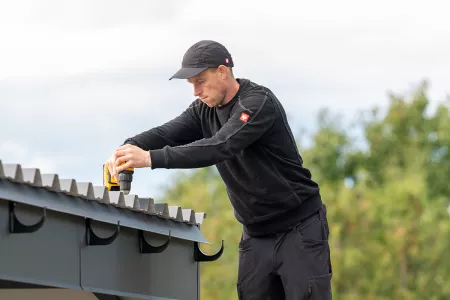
x=291, y=265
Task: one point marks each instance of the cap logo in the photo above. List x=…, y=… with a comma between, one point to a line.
x=244, y=117
x=227, y=60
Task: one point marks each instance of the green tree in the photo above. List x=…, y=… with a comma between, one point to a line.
x=384, y=226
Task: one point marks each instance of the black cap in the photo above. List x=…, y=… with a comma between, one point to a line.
x=202, y=55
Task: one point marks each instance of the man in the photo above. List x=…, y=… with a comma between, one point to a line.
x=242, y=129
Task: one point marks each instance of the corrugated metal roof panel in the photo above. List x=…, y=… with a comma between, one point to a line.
x=86, y=190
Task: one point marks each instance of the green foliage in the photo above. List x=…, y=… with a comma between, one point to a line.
x=390, y=228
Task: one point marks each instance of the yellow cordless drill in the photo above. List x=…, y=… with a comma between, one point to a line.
x=125, y=179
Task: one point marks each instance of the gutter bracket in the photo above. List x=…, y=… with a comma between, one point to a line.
x=94, y=240
x=145, y=247
x=15, y=226
x=199, y=255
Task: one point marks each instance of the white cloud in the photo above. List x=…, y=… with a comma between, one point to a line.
x=54, y=38
x=330, y=40
x=44, y=51
x=349, y=49
x=87, y=13
x=19, y=154
x=77, y=78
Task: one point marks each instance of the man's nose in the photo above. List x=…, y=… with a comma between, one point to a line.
x=197, y=90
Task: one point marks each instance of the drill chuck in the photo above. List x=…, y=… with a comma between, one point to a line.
x=125, y=179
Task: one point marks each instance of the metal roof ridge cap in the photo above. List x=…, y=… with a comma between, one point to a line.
x=13, y=171
x=117, y=198
x=69, y=186
x=199, y=217
x=85, y=189
x=32, y=176
x=51, y=181
x=151, y=208
x=132, y=202
x=176, y=212
x=162, y=209
x=101, y=194
x=189, y=215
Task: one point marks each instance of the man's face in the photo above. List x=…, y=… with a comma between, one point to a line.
x=209, y=87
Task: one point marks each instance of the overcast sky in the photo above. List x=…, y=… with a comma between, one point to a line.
x=78, y=77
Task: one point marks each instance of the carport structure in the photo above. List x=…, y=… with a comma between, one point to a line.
x=63, y=239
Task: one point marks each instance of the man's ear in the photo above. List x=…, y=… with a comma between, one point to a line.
x=223, y=72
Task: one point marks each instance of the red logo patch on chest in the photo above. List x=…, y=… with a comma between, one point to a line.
x=244, y=117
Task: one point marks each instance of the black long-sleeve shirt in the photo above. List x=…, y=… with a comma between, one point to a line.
x=250, y=142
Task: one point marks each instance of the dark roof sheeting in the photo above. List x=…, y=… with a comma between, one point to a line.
x=87, y=192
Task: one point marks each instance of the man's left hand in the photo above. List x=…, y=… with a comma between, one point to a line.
x=133, y=156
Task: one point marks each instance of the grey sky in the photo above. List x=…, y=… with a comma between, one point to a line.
x=77, y=79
